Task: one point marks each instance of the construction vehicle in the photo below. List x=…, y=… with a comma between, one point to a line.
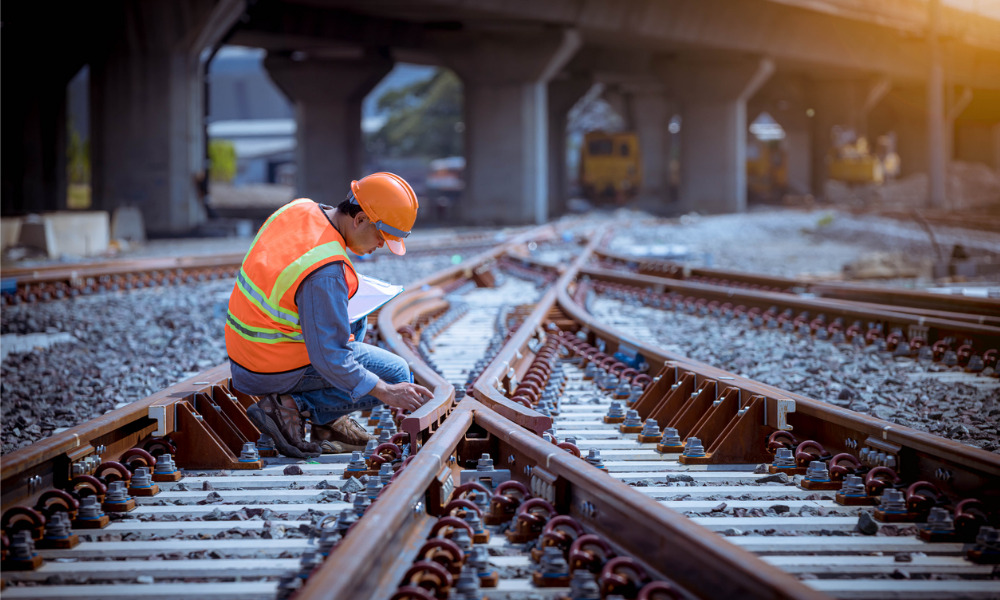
x=767, y=170
x=852, y=161
x=610, y=170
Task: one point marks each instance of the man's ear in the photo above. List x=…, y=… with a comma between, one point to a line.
x=359, y=219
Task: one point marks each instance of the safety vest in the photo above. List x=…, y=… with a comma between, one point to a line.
x=263, y=332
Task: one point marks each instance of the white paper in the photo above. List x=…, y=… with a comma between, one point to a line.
x=372, y=293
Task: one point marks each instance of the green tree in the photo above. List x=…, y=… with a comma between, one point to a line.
x=425, y=119
x=222, y=157
x=77, y=156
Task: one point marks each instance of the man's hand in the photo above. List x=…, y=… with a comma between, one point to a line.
x=408, y=396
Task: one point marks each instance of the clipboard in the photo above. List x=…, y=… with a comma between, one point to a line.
x=371, y=295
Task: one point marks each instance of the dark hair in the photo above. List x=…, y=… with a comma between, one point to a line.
x=348, y=207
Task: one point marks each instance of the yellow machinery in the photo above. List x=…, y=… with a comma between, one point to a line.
x=610, y=166
x=854, y=162
x=767, y=169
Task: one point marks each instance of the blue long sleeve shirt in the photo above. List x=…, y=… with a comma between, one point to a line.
x=322, y=302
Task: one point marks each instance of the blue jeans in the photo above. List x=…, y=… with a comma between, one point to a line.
x=326, y=403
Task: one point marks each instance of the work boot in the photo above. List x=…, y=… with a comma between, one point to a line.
x=273, y=415
x=343, y=435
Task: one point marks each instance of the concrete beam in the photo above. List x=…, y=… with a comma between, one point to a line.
x=794, y=36
x=327, y=95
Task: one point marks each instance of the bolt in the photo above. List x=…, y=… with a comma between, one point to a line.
x=632, y=419
x=552, y=563
x=165, y=465
x=671, y=437
x=817, y=471
x=485, y=463
x=693, y=447
x=249, y=453
x=594, y=458
x=853, y=486
x=116, y=493
x=58, y=526
x=467, y=584
x=784, y=457
x=22, y=547
x=584, y=586
x=90, y=508
x=893, y=501
x=939, y=520
x=650, y=428
x=616, y=410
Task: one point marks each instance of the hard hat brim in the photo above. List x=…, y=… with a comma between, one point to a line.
x=397, y=247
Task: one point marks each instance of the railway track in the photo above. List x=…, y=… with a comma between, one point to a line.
x=55, y=282
x=528, y=475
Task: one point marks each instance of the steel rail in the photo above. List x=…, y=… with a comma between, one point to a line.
x=510, y=364
x=982, y=336
x=391, y=316
x=26, y=472
x=898, y=298
x=370, y=561
x=922, y=455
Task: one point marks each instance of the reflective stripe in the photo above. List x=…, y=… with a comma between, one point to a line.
x=255, y=295
x=256, y=334
x=290, y=274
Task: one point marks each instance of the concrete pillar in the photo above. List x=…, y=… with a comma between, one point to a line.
x=936, y=159
x=34, y=149
x=651, y=113
x=563, y=93
x=713, y=98
x=327, y=95
x=147, y=110
x=506, y=106
x=903, y=111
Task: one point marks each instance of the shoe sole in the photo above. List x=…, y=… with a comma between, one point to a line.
x=340, y=448
x=268, y=426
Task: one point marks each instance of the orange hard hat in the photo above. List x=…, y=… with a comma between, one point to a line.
x=391, y=204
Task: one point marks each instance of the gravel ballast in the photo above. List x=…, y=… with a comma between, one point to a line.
x=92, y=354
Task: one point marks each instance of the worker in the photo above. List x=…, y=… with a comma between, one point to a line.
x=287, y=331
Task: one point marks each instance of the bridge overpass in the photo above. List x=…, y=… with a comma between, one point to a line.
x=927, y=69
